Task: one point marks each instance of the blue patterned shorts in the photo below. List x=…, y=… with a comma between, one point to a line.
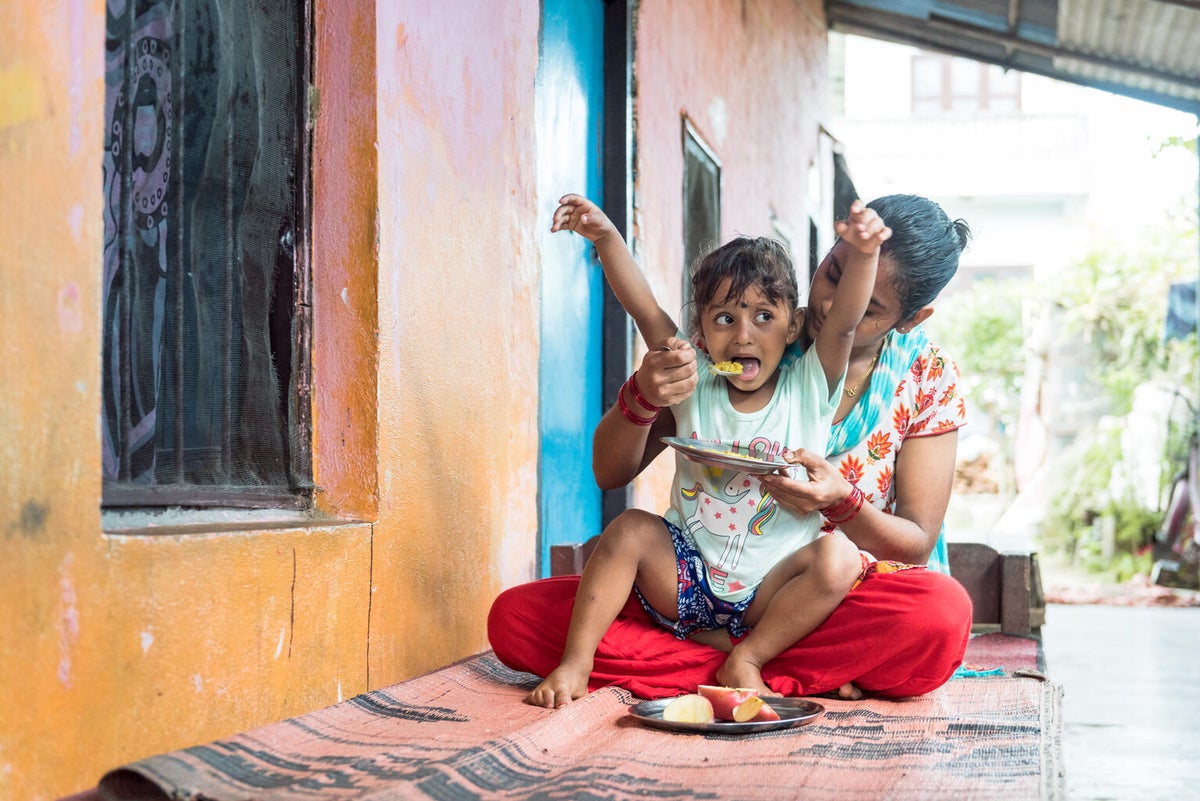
x=699, y=609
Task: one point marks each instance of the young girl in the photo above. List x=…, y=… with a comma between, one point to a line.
x=725, y=556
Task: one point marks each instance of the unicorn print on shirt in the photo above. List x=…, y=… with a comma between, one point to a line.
x=738, y=510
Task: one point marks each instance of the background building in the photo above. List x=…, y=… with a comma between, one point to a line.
x=1045, y=172
x=415, y=363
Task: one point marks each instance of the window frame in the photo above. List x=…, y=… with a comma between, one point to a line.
x=943, y=103
x=296, y=382
x=696, y=150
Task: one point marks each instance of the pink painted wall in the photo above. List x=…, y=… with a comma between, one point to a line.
x=458, y=325
x=751, y=79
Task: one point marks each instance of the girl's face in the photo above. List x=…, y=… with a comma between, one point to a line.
x=883, y=312
x=749, y=330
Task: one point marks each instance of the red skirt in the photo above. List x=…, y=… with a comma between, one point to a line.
x=895, y=635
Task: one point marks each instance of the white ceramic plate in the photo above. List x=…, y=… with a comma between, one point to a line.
x=792, y=712
x=726, y=456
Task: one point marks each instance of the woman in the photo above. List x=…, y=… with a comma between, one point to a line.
x=885, y=484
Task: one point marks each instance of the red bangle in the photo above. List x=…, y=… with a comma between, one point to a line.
x=631, y=382
x=846, y=509
x=630, y=415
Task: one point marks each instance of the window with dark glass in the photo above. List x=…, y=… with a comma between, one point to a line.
x=701, y=202
x=814, y=256
x=205, y=287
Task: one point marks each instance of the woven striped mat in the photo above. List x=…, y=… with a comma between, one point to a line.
x=463, y=733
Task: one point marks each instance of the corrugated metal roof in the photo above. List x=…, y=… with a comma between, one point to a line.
x=1158, y=43
x=1148, y=49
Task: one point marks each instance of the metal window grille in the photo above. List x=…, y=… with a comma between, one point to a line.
x=205, y=283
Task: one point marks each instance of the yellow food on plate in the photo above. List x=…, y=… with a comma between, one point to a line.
x=727, y=368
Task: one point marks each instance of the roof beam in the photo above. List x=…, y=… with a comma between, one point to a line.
x=954, y=38
x=1014, y=16
x=1049, y=51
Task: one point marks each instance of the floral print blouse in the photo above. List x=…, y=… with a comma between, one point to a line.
x=927, y=402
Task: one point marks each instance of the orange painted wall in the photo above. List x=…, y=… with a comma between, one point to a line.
x=458, y=326
x=125, y=638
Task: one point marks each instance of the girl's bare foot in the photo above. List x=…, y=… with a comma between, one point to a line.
x=737, y=673
x=850, y=692
x=566, y=683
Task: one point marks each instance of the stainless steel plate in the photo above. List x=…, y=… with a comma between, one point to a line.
x=792, y=712
x=718, y=454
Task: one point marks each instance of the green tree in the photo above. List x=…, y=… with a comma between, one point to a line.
x=982, y=330
x=1114, y=301
x=984, y=327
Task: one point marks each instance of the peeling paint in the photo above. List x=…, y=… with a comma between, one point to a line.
x=77, y=32
x=68, y=620
x=75, y=222
x=282, y=637
x=70, y=313
x=198, y=683
x=346, y=296
x=147, y=641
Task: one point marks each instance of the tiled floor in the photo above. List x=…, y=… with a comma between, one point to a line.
x=1131, y=707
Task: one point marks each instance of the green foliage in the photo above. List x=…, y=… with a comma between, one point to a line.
x=1100, y=531
x=1087, y=470
x=1115, y=301
x=1184, y=142
x=984, y=327
x=1127, y=565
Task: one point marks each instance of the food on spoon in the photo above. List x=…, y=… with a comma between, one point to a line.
x=691, y=708
x=739, y=704
x=727, y=368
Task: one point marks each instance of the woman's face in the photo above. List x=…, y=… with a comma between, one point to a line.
x=883, y=312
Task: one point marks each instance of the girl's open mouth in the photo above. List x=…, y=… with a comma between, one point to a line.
x=750, y=368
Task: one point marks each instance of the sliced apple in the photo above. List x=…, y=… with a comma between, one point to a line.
x=738, y=704
x=766, y=713
x=691, y=708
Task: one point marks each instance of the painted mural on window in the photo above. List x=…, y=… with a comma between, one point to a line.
x=201, y=220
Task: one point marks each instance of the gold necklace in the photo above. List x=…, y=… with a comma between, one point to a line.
x=853, y=393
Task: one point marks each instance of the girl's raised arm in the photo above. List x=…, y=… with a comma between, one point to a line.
x=577, y=213
x=864, y=232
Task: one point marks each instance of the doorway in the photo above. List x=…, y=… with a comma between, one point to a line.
x=569, y=112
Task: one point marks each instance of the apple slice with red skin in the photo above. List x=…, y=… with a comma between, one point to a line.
x=738, y=704
x=766, y=713
x=691, y=708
